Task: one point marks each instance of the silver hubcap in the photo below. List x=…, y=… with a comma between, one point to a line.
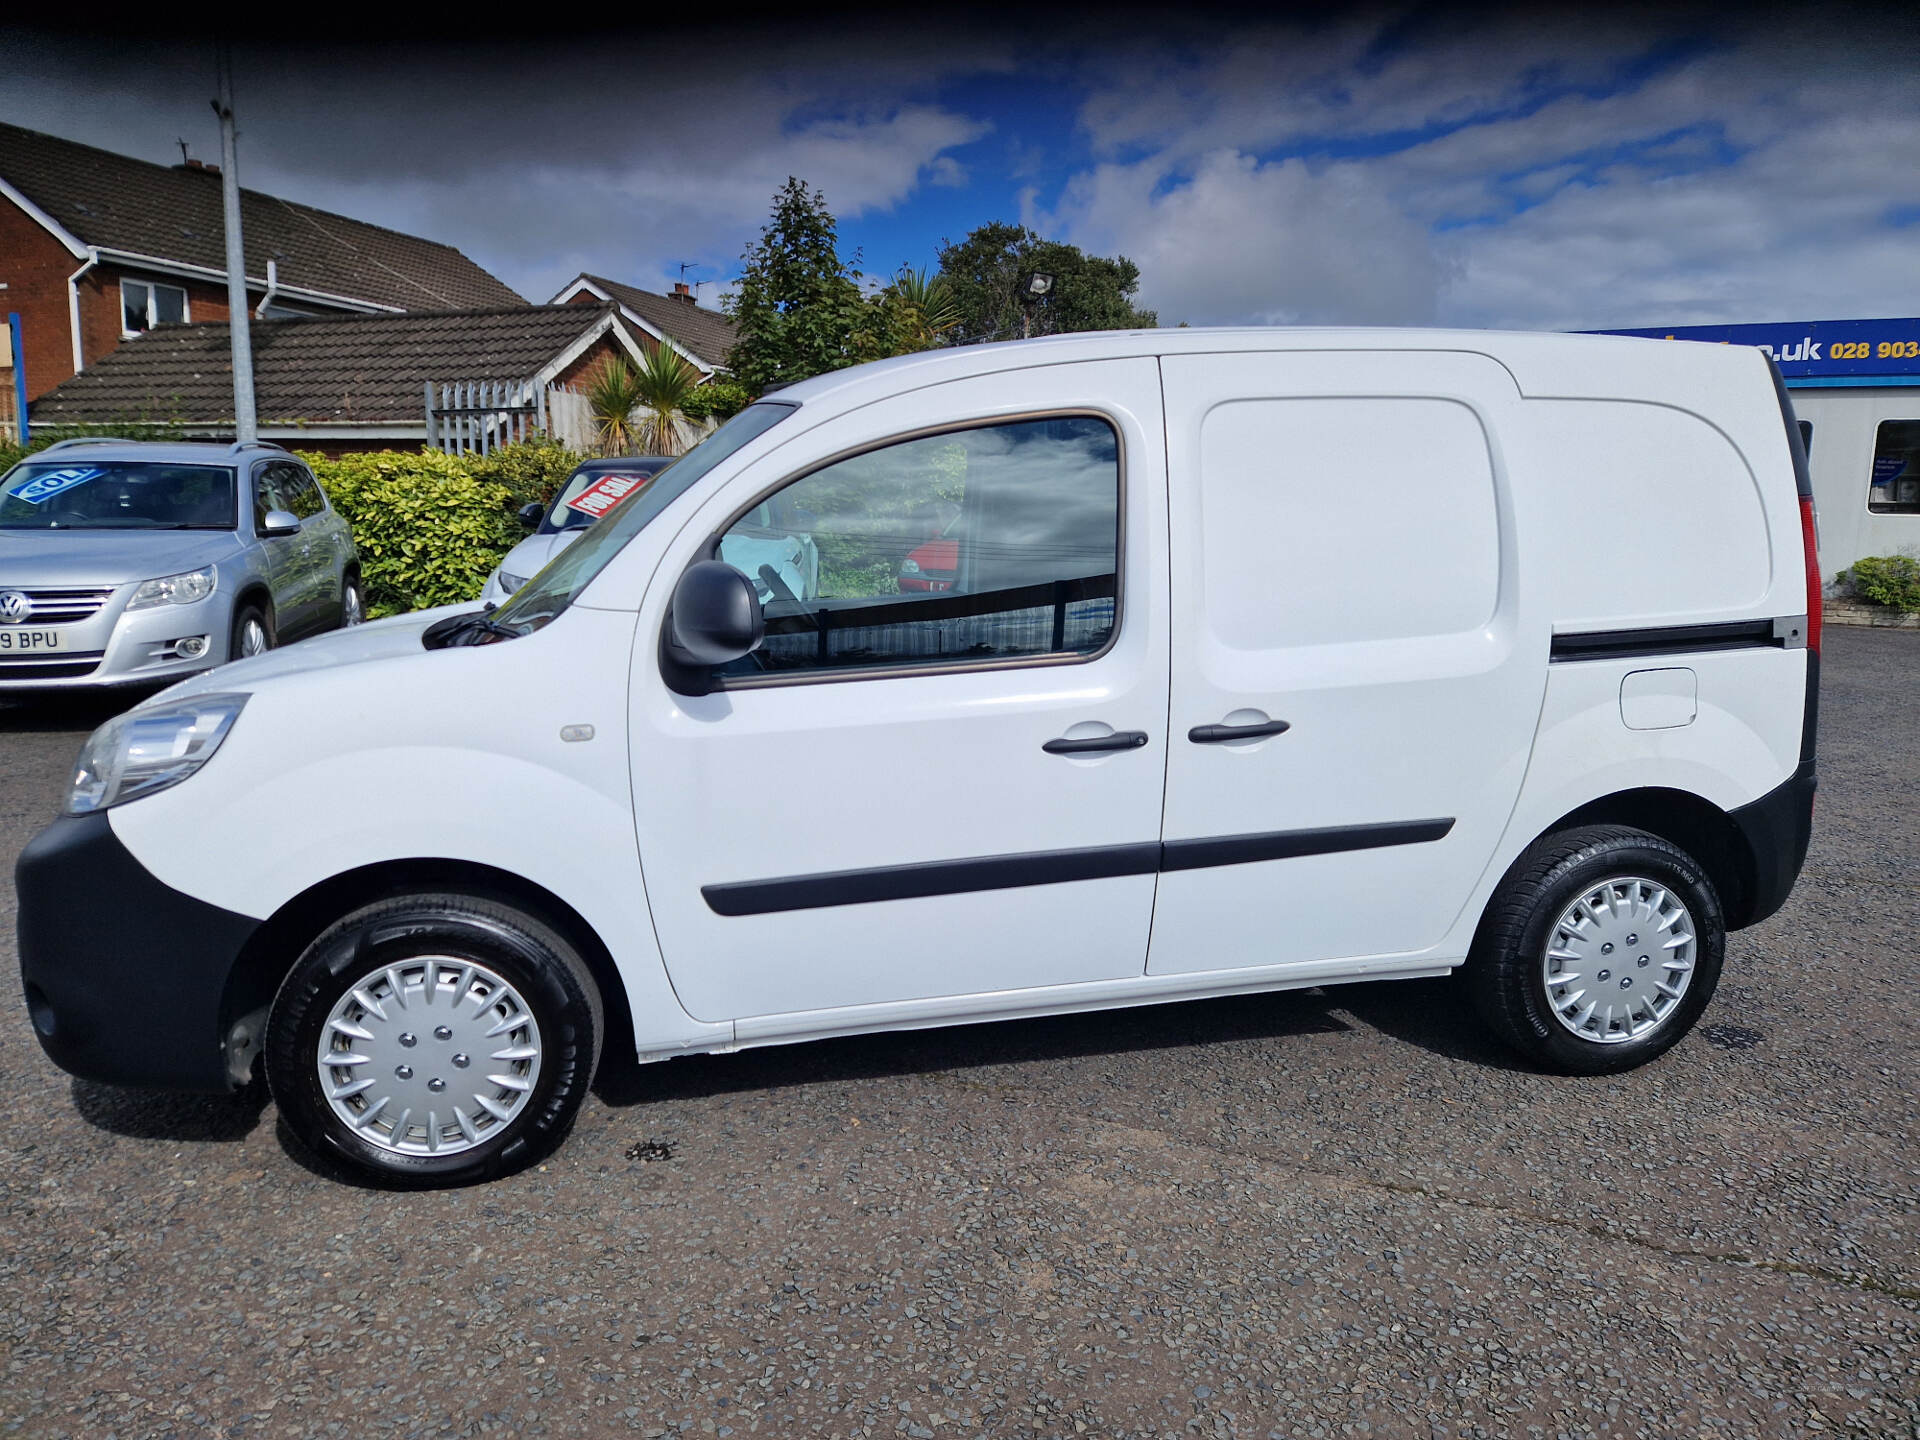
x=350, y=606
x=429, y=1056
x=253, y=638
x=1619, y=960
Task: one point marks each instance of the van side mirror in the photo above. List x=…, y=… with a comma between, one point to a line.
x=276, y=523
x=716, y=616
x=531, y=512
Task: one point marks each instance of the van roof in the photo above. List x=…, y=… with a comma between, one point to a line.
x=1542, y=363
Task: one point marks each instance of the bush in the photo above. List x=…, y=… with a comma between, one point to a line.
x=531, y=470
x=1892, y=580
x=428, y=529
x=715, y=400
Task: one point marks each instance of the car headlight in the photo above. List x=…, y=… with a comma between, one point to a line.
x=511, y=583
x=909, y=566
x=173, y=589
x=149, y=749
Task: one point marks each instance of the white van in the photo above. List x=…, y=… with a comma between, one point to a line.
x=1259, y=659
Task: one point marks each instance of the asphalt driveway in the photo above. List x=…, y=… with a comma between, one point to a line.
x=1314, y=1214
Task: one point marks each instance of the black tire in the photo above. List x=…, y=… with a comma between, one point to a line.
x=1504, y=971
x=251, y=611
x=545, y=970
x=353, y=601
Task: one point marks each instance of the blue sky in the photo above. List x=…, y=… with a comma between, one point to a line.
x=1662, y=165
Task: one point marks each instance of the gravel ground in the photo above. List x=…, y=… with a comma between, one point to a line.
x=1326, y=1213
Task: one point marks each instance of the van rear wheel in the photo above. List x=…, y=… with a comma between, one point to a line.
x=1599, y=951
x=434, y=1039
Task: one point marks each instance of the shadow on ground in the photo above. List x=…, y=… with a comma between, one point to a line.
x=1428, y=1014
x=169, y=1115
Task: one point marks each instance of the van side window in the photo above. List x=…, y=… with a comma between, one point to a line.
x=996, y=542
x=1806, y=438
x=1894, y=488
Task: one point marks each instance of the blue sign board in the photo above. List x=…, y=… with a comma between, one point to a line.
x=1818, y=352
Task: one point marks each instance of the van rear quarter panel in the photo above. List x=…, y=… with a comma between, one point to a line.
x=1663, y=496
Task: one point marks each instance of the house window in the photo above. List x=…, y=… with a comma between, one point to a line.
x=1894, y=487
x=144, y=305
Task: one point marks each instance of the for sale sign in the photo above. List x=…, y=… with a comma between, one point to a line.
x=606, y=492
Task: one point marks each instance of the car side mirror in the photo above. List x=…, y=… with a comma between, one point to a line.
x=716, y=616
x=276, y=523
x=530, y=514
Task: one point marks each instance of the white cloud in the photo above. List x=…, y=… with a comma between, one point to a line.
x=1274, y=243
x=1738, y=174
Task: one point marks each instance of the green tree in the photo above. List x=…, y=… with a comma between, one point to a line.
x=797, y=305
x=984, y=274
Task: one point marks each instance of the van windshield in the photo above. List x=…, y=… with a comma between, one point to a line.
x=116, y=495
x=551, y=591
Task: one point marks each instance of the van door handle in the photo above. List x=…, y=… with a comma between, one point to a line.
x=1118, y=740
x=1214, y=734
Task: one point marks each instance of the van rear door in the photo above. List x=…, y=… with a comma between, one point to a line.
x=1356, y=674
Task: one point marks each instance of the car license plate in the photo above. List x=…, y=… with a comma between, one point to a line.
x=28, y=640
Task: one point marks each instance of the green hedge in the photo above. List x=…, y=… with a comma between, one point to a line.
x=428, y=530
x=1892, y=580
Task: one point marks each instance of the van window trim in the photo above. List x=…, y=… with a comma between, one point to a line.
x=711, y=549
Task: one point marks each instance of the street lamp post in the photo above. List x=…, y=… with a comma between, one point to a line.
x=1035, y=288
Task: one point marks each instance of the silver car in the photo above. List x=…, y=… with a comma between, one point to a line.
x=131, y=562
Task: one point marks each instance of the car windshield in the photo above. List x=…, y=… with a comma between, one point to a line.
x=550, y=592
x=116, y=495
x=592, y=491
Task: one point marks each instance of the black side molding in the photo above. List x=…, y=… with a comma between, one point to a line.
x=1290, y=844
x=1679, y=639
x=1052, y=867
x=932, y=877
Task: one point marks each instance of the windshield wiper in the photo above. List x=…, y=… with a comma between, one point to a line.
x=467, y=629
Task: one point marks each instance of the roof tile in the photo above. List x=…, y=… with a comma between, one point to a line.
x=115, y=202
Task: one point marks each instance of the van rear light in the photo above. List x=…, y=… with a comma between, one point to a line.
x=1810, y=539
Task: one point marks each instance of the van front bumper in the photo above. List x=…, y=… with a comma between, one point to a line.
x=126, y=978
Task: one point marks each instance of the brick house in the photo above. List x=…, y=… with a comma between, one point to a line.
x=701, y=336
x=97, y=247
x=337, y=383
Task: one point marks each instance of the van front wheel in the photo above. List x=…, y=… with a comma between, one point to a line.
x=434, y=1040
x=1599, y=951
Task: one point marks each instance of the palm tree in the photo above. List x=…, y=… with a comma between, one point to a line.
x=661, y=386
x=612, y=395
x=930, y=303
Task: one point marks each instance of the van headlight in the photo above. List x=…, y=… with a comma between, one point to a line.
x=173, y=589
x=511, y=583
x=149, y=749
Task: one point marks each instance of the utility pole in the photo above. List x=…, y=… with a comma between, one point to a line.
x=246, y=430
